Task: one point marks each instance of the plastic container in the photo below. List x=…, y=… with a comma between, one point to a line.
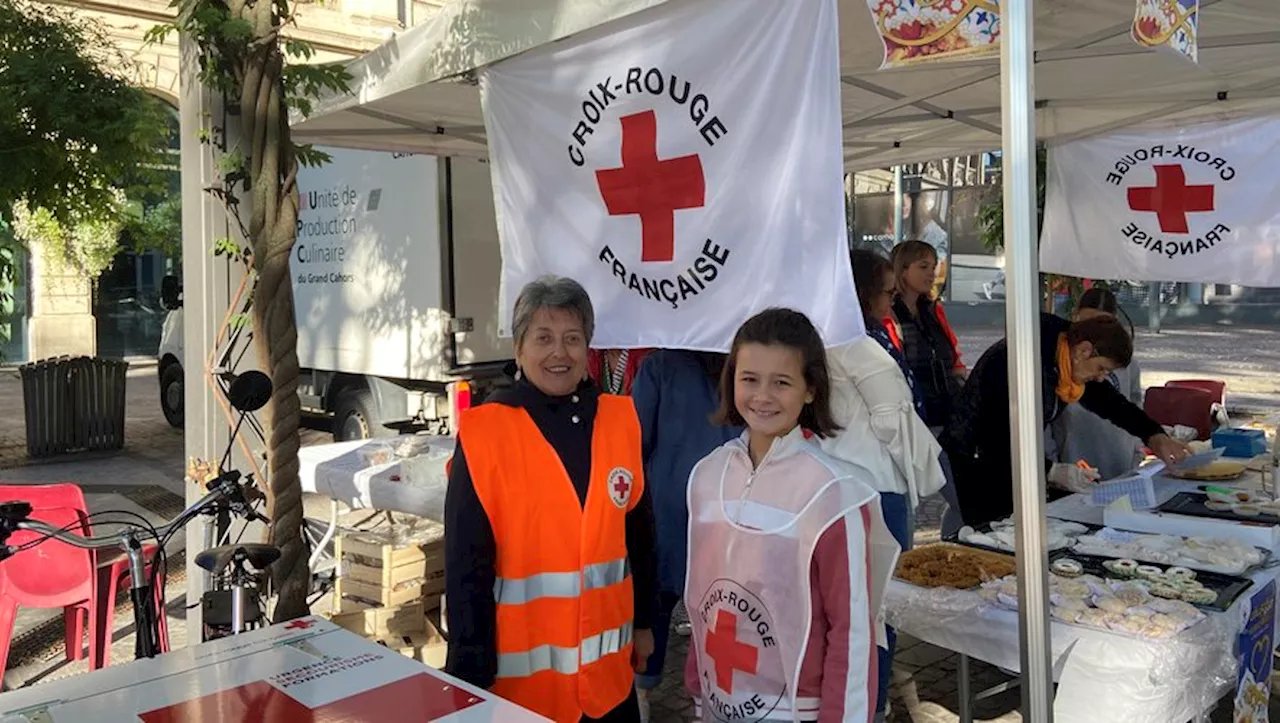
x=1241, y=443
x=1138, y=488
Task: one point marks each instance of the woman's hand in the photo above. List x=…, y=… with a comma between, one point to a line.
x=641, y=648
x=1168, y=450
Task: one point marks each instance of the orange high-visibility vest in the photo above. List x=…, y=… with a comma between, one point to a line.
x=565, y=604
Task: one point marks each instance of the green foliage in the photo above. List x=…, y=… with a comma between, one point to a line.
x=71, y=124
x=991, y=221
x=85, y=246
x=991, y=213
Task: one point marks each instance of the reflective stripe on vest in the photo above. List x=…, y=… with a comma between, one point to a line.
x=518, y=591
x=564, y=660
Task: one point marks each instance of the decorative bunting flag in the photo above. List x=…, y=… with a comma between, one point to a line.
x=1168, y=24
x=933, y=30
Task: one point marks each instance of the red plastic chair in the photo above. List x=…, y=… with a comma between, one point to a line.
x=52, y=574
x=1216, y=389
x=55, y=574
x=1181, y=405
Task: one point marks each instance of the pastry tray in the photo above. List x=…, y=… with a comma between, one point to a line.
x=963, y=548
x=954, y=538
x=1228, y=587
x=1192, y=505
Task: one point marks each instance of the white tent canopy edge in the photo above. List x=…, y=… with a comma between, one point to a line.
x=416, y=92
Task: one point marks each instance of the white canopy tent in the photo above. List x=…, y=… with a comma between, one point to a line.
x=416, y=92
x=1070, y=59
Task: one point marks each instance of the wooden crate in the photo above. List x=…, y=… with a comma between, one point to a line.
x=380, y=622
x=382, y=574
x=427, y=646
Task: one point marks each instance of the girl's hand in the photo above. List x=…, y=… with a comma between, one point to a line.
x=642, y=647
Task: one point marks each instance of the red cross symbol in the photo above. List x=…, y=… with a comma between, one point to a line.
x=650, y=188
x=621, y=486
x=1171, y=198
x=299, y=625
x=729, y=654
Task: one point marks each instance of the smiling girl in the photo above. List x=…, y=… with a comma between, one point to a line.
x=788, y=552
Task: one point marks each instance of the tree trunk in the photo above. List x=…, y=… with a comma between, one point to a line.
x=272, y=169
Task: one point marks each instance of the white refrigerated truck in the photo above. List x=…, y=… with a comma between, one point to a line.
x=396, y=272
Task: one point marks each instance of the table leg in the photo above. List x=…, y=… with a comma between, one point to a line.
x=328, y=535
x=966, y=699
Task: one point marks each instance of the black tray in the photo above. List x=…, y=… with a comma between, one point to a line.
x=1228, y=587
x=1192, y=505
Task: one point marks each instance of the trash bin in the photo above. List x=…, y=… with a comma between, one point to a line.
x=46, y=397
x=74, y=404
x=98, y=402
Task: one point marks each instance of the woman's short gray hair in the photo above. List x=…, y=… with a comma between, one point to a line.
x=552, y=292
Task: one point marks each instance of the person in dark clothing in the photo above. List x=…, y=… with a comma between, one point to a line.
x=928, y=343
x=552, y=326
x=874, y=280
x=676, y=393
x=1074, y=360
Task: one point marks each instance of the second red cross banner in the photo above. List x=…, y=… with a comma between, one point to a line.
x=1195, y=203
x=685, y=165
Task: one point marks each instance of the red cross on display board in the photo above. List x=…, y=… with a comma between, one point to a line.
x=729, y=654
x=621, y=485
x=651, y=188
x=1171, y=198
x=426, y=696
x=299, y=625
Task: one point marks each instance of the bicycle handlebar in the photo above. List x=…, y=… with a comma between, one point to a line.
x=226, y=486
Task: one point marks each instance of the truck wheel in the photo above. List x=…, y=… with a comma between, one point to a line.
x=355, y=416
x=171, y=395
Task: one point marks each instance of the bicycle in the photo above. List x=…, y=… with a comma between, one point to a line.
x=248, y=393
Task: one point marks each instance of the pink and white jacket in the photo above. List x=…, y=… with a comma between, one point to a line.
x=849, y=566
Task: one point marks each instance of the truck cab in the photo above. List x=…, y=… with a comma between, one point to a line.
x=396, y=271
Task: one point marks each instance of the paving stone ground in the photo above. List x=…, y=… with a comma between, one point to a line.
x=925, y=689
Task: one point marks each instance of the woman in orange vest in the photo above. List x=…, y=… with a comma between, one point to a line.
x=550, y=573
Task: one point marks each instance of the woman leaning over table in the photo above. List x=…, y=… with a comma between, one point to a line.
x=549, y=563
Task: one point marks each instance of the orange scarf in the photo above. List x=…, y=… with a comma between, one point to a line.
x=1068, y=389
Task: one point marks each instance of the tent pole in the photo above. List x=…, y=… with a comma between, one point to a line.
x=1022, y=321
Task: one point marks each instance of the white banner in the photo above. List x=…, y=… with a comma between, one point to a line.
x=1195, y=204
x=685, y=165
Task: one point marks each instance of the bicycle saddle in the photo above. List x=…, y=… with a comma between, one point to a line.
x=216, y=559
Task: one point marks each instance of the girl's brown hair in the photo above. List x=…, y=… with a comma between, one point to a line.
x=868, y=277
x=907, y=253
x=792, y=329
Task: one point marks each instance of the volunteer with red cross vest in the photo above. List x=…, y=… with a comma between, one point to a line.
x=550, y=575
x=788, y=551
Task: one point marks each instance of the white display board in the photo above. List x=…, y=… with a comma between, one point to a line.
x=307, y=670
x=367, y=266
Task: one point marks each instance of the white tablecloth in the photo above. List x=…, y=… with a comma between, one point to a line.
x=308, y=669
x=339, y=471
x=1102, y=676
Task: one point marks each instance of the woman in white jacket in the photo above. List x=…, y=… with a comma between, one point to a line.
x=873, y=403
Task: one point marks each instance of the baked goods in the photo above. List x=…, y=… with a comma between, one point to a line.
x=1066, y=567
x=1149, y=572
x=1059, y=534
x=1122, y=568
x=1216, y=471
x=1199, y=553
x=947, y=565
x=1180, y=573
x=1123, y=607
x=1199, y=596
